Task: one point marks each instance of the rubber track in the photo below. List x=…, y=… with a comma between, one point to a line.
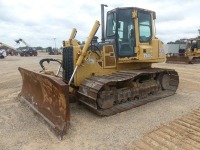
x=183, y=133
x=123, y=76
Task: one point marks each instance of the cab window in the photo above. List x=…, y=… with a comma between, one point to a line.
x=145, y=26
x=125, y=33
x=111, y=24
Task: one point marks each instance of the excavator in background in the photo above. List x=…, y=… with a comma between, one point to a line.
x=29, y=51
x=10, y=50
x=108, y=77
x=189, y=55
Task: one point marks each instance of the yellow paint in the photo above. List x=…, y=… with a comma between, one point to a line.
x=85, y=48
x=109, y=57
x=72, y=41
x=90, y=64
x=195, y=52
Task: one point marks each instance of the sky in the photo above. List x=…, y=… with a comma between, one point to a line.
x=49, y=22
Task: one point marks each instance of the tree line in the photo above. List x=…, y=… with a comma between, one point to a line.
x=36, y=48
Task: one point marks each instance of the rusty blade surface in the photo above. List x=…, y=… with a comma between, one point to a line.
x=47, y=96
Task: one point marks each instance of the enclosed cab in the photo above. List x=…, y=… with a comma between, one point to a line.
x=133, y=32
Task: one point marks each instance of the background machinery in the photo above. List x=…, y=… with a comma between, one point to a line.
x=108, y=77
x=52, y=51
x=190, y=54
x=9, y=49
x=29, y=51
x=2, y=52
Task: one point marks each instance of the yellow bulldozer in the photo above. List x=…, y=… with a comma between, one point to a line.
x=108, y=77
x=189, y=55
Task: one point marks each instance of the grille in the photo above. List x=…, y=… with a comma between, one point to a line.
x=68, y=66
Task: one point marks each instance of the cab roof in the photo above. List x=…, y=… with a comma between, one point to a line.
x=134, y=8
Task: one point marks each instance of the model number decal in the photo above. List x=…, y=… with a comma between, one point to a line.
x=146, y=55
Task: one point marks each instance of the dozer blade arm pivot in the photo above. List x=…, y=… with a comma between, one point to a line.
x=87, y=44
x=73, y=34
x=47, y=96
x=85, y=48
x=71, y=41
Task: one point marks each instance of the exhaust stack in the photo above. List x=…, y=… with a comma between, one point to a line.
x=102, y=23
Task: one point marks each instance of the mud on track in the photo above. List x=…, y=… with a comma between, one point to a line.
x=21, y=129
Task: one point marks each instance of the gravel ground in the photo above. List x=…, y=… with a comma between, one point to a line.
x=21, y=129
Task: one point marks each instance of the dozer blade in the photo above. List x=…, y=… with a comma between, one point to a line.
x=47, y=96
x=178, y=59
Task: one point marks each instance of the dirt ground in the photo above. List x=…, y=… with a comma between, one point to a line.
x=180, y=134
x=21, y=129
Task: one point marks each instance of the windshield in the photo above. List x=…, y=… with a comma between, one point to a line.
x=126, y=38
x=111, y=24
x=144, y=26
